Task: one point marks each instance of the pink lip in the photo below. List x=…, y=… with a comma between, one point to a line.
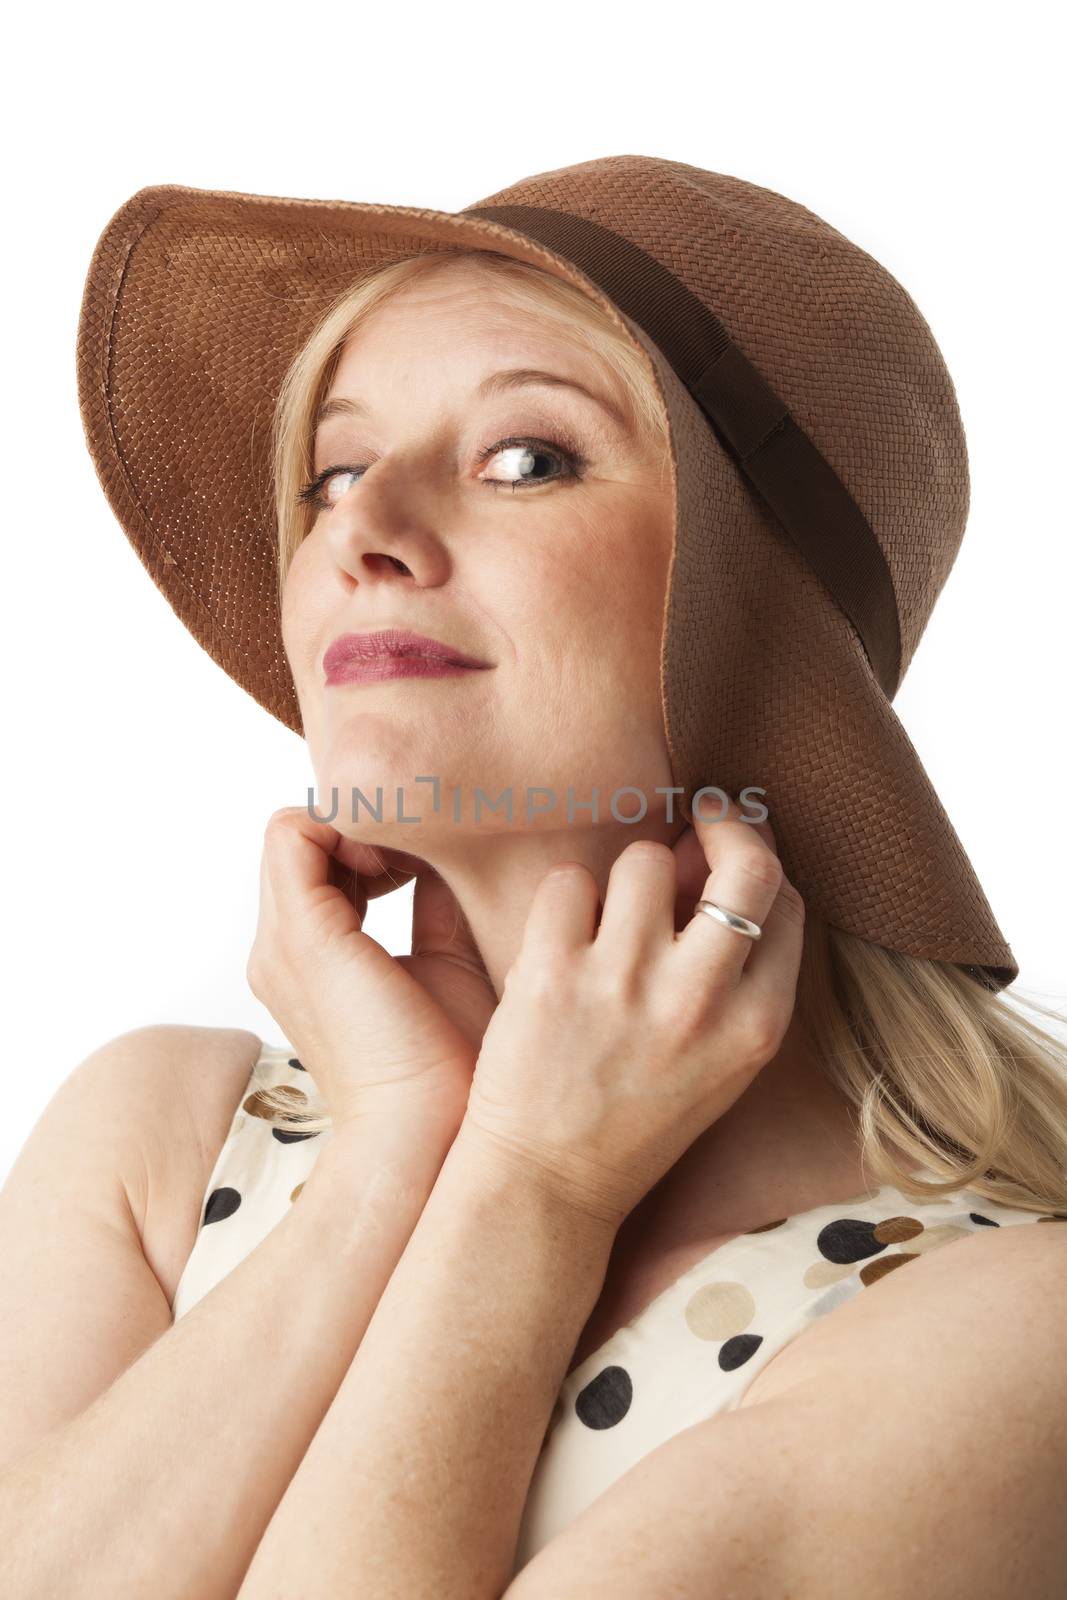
x=392, y=653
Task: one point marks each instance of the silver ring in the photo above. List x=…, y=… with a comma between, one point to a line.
x=730, y=919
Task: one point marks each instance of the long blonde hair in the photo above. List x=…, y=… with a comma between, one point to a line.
x=938, y=1067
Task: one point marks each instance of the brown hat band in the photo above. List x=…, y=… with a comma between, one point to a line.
x=778, y=458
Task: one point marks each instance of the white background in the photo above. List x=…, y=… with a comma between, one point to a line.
x=138, y=777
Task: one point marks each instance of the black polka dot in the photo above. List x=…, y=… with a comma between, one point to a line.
x=291, y=1138
x=849, y=1239
x=606, y=1399
x=299, y=1065
x=221, y=1203
x=976, y=1216
x=736, y=1351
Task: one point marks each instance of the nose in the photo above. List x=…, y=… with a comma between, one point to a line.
x=384, y=529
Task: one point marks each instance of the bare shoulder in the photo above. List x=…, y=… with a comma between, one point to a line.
x=172, y=1090
x=1007, y=1277
x=99, y=1212
x=923, y=1439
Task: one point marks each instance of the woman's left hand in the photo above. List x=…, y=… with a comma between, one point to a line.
x=444, y=959
x=613, y=1048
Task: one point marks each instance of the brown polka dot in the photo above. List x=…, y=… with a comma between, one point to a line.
x=295, y=1192
x=256, y=1106
x=719, y=1310
x=873, y=1270
x=894, y=1230
x=821, y=1273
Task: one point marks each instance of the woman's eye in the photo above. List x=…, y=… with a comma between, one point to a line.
x=521, y=457
x=316, y=493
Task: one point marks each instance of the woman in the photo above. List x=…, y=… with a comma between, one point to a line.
x=601, y=1148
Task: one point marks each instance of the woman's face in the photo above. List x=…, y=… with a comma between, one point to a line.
x=557, y=582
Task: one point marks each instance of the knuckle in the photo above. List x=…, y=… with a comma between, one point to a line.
x=567, y=872
x=761, y=865
x=620, y=985
x=790, y=903
x=281, y=820
x=764, y=1030
x=686, y=1012
x=537, y=979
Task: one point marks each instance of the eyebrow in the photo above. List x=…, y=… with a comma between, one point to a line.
x=510, y=378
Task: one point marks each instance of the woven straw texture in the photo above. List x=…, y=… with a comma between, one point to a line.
x=196, y=301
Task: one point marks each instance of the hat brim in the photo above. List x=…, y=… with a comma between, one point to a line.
x=194, y=305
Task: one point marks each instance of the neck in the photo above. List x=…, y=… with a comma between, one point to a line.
x=495, y=881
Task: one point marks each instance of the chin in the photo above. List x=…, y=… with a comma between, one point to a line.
x=388, y=805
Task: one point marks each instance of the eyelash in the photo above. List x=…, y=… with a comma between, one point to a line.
x=573, y=459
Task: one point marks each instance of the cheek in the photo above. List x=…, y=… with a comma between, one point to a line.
x=622, y=676
x=587, y=628
x=601, y=591
x=621, y=601
x=642, y=594
x=303, y=613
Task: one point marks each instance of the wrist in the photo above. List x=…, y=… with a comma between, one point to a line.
x=434, y=1098
x=381, y=1161
x=527, y=1174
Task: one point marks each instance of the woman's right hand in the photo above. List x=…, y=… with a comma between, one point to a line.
x=373, y=1036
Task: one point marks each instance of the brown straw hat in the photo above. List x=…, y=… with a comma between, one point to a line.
x=819, y=465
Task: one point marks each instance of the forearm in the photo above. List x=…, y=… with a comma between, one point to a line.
x=165, y=1484
x=415, y=1483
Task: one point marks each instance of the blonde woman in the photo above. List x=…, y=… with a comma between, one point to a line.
x=680, y=1215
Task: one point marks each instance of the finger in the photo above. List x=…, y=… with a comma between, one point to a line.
x=638, y=914
x=297, y=852
x=745, y=877
x=691, y=866
x=769, y=980
x=562, y=914
x=364, y=872
x=380, y=870
x=438, y=926
x=350, y=885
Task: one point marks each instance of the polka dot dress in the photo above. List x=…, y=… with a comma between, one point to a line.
x=259, y=1172
x=689, y=1355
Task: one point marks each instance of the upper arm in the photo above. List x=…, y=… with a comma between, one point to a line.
x=925, y=1443
x=80, y=1300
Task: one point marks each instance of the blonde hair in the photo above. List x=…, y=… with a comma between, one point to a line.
x=938, y=1067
